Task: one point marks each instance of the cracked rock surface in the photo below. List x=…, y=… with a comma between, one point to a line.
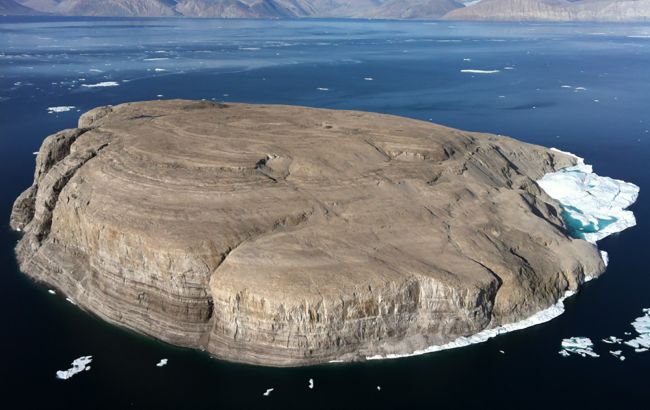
x=288, y=236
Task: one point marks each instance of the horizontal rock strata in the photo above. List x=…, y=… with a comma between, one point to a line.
x=288, y=236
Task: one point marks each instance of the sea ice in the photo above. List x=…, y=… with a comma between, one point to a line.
x=63, y=108
x=267, y=392
x=593, y=206
x=51, y=292
x=159, y=69
x=642, y=327
x=472, y=71
x=613, y=340
x=578, y=345
x=311, y=383
x=71, y=301
x=102, y=84
x=323, y=89
x=368, y=78
x=162, y=362
x=78, y=365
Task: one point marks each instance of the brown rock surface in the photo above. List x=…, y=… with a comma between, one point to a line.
x=287, y=236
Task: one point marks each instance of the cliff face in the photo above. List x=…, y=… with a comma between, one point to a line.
x=287, y=236
x=555, y=10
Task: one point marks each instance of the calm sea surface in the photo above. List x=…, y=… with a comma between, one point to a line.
x=413, y=69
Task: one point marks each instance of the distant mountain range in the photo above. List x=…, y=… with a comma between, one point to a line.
x=501, y=10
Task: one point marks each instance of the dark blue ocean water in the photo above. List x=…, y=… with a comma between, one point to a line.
x=416, y=71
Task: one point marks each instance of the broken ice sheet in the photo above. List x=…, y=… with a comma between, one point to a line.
x=578, y=345
x=642, y=327
x=78, y=365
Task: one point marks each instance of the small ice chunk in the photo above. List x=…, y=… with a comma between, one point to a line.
x=502, y=352
x=51, y=292
x=62, y=108
x=95, y=70
x=566, y=86
x=580, y=89
x=475, y=71
x=467, y=59
x=35, y=152
x=268, y=391
x=78, y=365
x=368, y=78
x=605, y=256
x=578, y=345
x=613, y=340
x=615, y=352
x=378, y=388
x=159, y=95
x=508, y=68
x=311, y=383
x=323, y=89
x=159, y=69
x=641, y=350
x=156, y=59
x=71, y=301
x=162, y=362
x=102, y=84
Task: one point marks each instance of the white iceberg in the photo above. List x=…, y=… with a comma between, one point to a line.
x=311, y=383
x=641, y=343
x=578, y=345
x=78, y=365
x=102, y=84
x=162, y=362
x=473, y=71
x=593, y=206
x=62, y=108
x=267, y=392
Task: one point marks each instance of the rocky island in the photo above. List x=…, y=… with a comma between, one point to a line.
x=288, y=236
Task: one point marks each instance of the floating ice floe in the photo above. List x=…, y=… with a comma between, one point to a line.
x=612, y=340
x=323, y=89
x=156, y=59
x=267, y=392
x=78, y=365
x=368, y=78
x=578, y=345
x=566, y=86
x=159, y=69
x=71, y=301
x=102, y=84
x=473, y=71
x=63, y=108
x=508, y=68
x=311, y=383
x=580, y=89
x=641, y=343
x=480, y=337
x=618, y=354
x=51, y=292
x=162, y=362
x=378, y=388
x=593, y=206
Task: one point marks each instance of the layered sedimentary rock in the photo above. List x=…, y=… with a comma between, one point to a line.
x=287, y=236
